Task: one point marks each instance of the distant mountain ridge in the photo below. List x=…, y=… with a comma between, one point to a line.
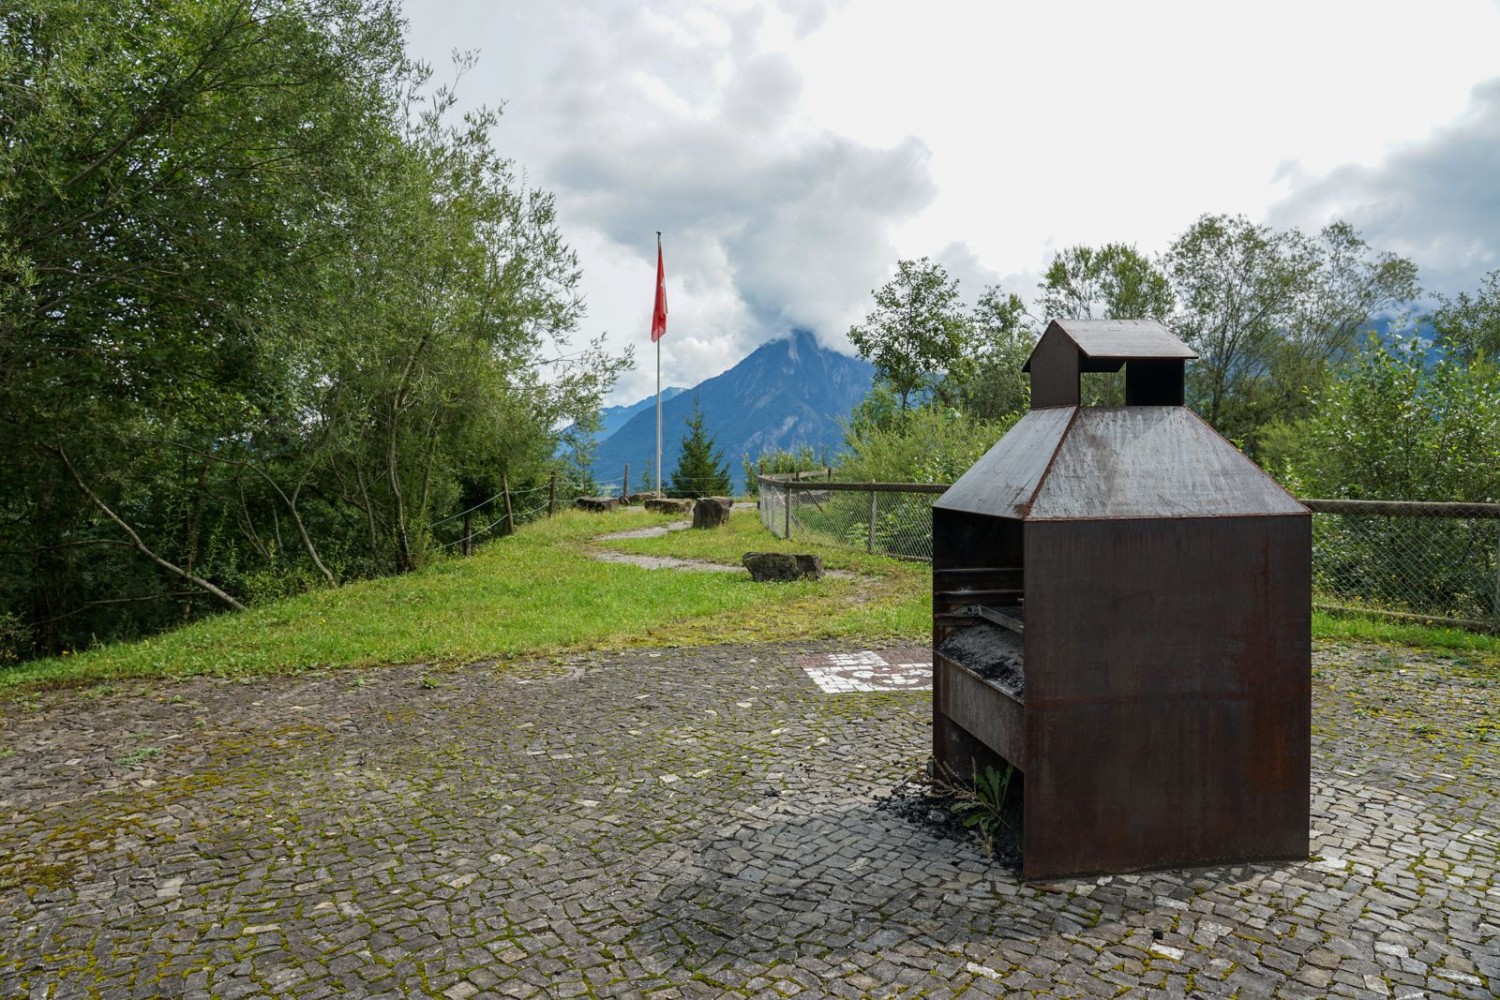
x=612, y=418
x=786, y=394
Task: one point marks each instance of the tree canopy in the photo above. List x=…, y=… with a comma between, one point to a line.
x=265, y=309
x=917, y=332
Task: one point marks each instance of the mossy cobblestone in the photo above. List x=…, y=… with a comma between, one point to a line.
x=686, y=823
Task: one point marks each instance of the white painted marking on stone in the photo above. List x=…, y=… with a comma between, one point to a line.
x=982, y=970
x=261, y=929
x=1166, y=951
x=838, y=673
x=668, y=779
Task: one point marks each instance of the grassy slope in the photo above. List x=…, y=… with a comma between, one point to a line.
x=538, y=593
x=533, y=594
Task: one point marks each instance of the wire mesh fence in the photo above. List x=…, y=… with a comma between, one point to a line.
x=890, y=518
x=1432, y=562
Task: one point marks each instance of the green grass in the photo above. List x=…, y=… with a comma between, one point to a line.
x=534, y=594
x=538, y=594
x=1342, y=627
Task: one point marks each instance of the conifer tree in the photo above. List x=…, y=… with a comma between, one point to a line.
x=701, y=471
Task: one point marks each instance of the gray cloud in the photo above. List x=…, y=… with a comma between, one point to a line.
x=690, y=127
x=1437, y=201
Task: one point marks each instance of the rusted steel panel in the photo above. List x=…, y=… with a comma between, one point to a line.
x=991, y=715
x=1168, y=698
x=1002, y=483
x=1124, y=786
x=991, y=586
x=1054, y=367
x=1152, y=461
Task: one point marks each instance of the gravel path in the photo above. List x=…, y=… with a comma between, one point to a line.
x=690, y=823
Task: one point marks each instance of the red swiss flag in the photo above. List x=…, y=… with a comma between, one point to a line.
x=659, y=314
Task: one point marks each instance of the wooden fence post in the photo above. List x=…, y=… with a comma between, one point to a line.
x=788, y=487
x=625, y=484
x=874, y=513
x=551, y=494
x=510, y=521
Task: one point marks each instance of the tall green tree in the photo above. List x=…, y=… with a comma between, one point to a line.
x=1398, y=425
x=1001, y=337
x=264, y=309
x=1270, y=312
x=701, y=470
x=1113, y=281
x=1468, y=325
x=917, y=334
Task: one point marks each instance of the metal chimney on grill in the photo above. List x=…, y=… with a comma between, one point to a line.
x=1122, y=610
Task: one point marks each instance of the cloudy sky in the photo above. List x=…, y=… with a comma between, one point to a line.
x=792, y=151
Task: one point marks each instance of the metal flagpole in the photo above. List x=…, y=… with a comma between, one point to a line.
x=658, y=387
x=658, y=417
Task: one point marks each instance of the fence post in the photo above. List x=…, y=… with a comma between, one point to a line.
x=874, y=513
x=466, y=547
x=510, y=521
x=625, y=484
x=788, y=487
x=1497, y=578
x=551, y=494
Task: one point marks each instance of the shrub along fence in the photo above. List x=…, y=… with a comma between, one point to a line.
x=1437, y=563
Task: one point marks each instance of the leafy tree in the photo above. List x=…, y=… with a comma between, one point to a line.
x=1002, y=336
x=1469, y=326
x=701, y=470
x=1271, y=311
x=1110, y=282
x=930, y=444
x=917, y=333
x=779, y=461
x=1396, y=425
x=1400, y=425
x=264, y=311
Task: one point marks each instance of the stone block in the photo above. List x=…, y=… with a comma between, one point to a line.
x=780, y=566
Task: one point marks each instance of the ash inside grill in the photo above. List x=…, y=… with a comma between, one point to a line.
x=991, y=651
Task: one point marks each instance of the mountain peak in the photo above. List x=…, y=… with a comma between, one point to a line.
x=787, y=394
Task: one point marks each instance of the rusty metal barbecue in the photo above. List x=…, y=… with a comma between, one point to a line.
x=1156, y=702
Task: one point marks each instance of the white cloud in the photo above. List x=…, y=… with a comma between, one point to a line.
x=1436, y=201
x=792, y=151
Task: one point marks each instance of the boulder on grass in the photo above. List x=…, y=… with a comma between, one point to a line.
x=669, y=505
x=642, y=498
x=766, y=567
x=710, y=512
x=598, y=505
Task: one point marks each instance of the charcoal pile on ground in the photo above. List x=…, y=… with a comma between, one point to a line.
x=992, y=652
x=942, y=810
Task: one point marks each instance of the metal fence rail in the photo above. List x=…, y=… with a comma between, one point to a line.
x=1437, y=563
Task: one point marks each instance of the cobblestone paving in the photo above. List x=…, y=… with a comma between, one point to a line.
x=689, y=823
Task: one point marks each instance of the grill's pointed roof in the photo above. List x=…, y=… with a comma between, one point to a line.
x=1086, y=463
